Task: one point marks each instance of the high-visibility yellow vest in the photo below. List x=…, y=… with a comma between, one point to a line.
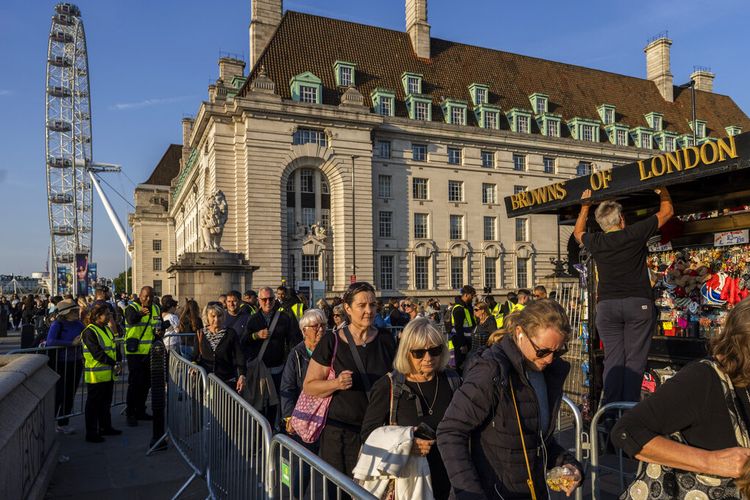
x=297, y=310
x=143, y=330
x=497, y=315
x=247, y=307
x=513, y=308
x=468, y=320
x=94, y=371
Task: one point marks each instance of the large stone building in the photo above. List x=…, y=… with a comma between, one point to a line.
x=352, y=150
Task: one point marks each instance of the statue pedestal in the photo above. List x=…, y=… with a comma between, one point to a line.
x=203, y=276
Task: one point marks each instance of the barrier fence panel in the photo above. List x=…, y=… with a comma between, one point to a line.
x=297, y=473
x=239, y=438
x=186, y=414
x=568, y=432
x=596, y=467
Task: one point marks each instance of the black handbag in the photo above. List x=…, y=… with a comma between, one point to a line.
x=659, y=482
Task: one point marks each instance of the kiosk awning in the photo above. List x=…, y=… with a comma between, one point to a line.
x=710, y=176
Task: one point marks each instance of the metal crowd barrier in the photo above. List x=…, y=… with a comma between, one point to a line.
x=239, y=439
x=596, y=467
x=186, y=414
x=297, y=473
x=564, y=427
x=184, y=343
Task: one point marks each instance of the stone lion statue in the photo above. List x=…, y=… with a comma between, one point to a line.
x=214, y=215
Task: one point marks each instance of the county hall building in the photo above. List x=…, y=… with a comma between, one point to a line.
x=352, y=150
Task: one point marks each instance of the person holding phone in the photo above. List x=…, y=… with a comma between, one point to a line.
x=416, y=393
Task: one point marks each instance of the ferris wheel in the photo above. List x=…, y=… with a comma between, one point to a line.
x=68, y=139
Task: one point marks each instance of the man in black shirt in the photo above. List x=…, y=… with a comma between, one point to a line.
x=625, y=306
x=236, y=317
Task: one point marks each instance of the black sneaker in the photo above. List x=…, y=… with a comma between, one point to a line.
x=110, y=432
x=94, y=439
x=132, y=421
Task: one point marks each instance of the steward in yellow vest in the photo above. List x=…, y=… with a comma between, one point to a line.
x=100, y=366
x=141, y=326
x=463, y=323
x=142, y=319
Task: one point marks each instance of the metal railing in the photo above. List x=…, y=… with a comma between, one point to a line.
x=596, y=467
x=570, y=427
x=239, y=439
x=296, y=473
x=186, y=414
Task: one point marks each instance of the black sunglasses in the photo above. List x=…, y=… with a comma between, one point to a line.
x=543, y=353
x=434, y=352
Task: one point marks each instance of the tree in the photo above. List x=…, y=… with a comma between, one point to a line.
x=122, y=280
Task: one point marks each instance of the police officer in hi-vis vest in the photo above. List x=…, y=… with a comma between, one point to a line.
x=463, y=323
x=142, y=319
x=100, y=366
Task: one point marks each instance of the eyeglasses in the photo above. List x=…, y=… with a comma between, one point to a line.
x=543, y=353
x=265, y=299
x=336, y=315
x=434, y=352
x=408, y=305
x=317, y=326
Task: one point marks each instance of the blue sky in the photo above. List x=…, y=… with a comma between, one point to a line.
x=151, y=61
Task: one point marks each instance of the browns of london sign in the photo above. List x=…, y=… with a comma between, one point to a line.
x=713, y=157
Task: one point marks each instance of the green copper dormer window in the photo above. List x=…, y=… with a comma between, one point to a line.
x=306, y=87
x=699, y=127
x=655, y=121
x=584, y=129
x=549, y=124
x=667, y=141
x=607, y=114
x=412, y=83
x=617, y=133
x=520, y=120
x=487, y=116
x=419, y=106
x=643, y=137
x=454, y=111
x=685, y=141
x=383, y=101
x=733, y=130
x=539, y=103
x=480, y=94
x=344, y=72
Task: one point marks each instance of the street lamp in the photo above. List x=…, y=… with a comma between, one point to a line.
x=691, y=85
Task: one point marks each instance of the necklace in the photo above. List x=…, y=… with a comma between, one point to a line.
x=437, y=386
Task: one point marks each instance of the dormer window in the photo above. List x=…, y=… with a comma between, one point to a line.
x=383, y=101
x=306, y=87
x=607, y=114
x=539, y=103
x=643, y=137
x=487, y=116
x=454, y=111
x=344, y=73
x=685, y=141
x=520, y=120
x=479, y=94
x=699, y=127
x=655, y=121
x=412, y=83
x=667, y=141
x=549, y=124
x=420, y=107
x=733, y=130
x=617, y=134
x=584, y=129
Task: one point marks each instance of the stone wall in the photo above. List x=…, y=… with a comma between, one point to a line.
x=28, y=448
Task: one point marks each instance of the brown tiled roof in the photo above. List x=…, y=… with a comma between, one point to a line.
x=304, y=42
x=167, y=168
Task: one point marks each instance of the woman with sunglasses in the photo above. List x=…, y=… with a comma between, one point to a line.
x=421, y=386
x=359, y=355
x=498, y=429
x=339, y=316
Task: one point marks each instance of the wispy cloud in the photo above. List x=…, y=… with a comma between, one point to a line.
x=146, y=103
x=5, y=92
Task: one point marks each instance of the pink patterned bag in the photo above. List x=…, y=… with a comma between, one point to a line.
x=310, y=412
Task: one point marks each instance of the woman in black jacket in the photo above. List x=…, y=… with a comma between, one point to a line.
x=219, y=351
x=480, y=435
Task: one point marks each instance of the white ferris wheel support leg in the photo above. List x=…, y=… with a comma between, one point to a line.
x=111, y=213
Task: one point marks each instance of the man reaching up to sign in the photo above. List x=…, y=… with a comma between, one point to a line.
x=625, y=306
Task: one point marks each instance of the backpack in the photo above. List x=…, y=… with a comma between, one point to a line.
x=398, y=387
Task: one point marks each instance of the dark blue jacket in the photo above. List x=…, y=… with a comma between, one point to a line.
x=479, y=438
x=295, y=370
x=62, y=333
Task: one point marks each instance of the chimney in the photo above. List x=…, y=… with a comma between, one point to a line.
x=187, y=129
x=658, y=67
x=703, y=78
x=418, y=28
x=229, y=67
x=265, y=16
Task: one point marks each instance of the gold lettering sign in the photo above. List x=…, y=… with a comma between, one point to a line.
x=686, y=159
x=538, y=196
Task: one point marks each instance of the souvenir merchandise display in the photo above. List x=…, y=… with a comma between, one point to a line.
x=695, y=288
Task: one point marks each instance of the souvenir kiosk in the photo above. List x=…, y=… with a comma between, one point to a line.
x=699, y=263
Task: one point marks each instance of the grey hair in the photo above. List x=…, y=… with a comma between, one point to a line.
x=417, y=334
x=312, y=316
x=265, y=289
x=608, y=215
x=339, y=309
x=216, y=308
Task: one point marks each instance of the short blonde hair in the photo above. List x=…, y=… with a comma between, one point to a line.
x=418, y=334
x=217, y=309
x=313, y=316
